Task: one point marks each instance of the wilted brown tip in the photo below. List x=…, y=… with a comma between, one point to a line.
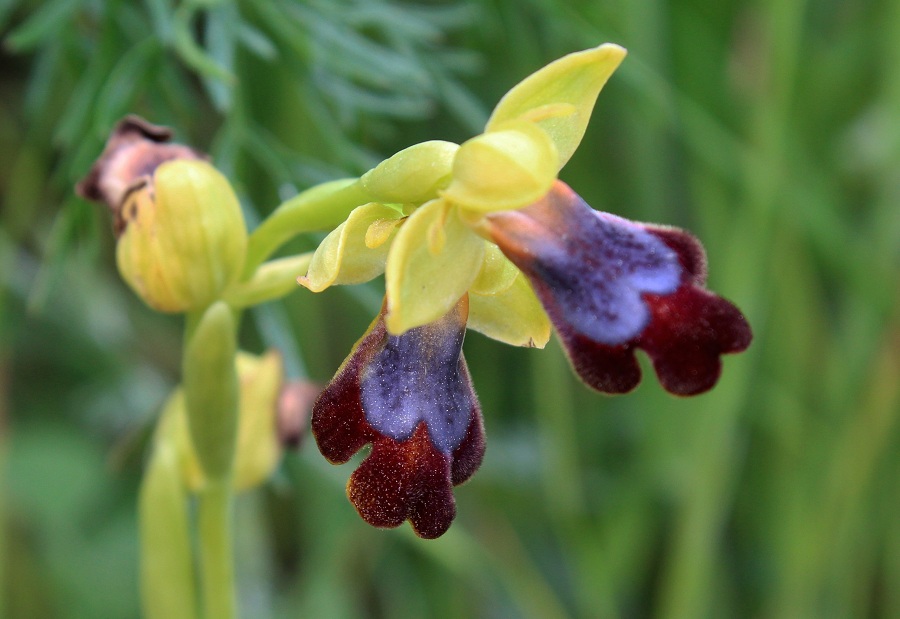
x=294, y=406
x=135, y=149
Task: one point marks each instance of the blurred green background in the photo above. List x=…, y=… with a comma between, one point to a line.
x=770, y=128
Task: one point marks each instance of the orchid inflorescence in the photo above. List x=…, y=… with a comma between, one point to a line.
x=481, y=235
x=484, y=235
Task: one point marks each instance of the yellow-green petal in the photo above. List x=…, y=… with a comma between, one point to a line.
x=424, y=281
x=560, y=97
x=497, y=273
x=343, y=257
x=514, y=316
x=414, y=175
x=504, y=169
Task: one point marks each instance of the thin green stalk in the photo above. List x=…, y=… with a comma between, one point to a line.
x=168, y=584
x=216, y=552
x=321, y=208
x=271, y=281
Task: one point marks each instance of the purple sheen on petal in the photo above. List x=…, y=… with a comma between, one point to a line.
x=589, y=269
x=611, y=286
x=420, y=376
x=401, y=479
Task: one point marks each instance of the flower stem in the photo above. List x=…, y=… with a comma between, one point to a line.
x=272, y=280
x=168, y=589
x=321, y=208
x=216, y=552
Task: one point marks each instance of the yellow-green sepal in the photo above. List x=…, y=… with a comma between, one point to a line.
x=560, y=97
x=513, y=316
x=344, y=257
x=432, y=262
x=508, y=167
x=497, y=273
x=211, y=390
x=414, y=175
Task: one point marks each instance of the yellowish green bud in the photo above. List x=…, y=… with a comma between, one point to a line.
x=504, y=169
x=258, y=446
x=211, y=390
x=183, y=237
x=414, y=175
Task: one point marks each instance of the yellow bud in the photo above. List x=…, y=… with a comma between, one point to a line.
x=258, y=445
x=183, y=237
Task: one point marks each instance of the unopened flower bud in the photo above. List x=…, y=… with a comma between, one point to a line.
x=133, y=151
x=182, y=237
x=258, y=448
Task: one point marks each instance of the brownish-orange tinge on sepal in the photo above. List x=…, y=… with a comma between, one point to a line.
x=133, y=152
x=294, y=406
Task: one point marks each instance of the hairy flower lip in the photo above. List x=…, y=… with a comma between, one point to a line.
x=134, y=150
x=405, y=478
x=610, y=288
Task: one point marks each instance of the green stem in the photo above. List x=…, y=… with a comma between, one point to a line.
x=216, y=552
x=270, y=281
x=321, y=208
x=168, y=586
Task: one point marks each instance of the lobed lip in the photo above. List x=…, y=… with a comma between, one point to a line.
x=417, y=456
x=611, y=285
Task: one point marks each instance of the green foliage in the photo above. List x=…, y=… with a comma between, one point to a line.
x=768, y=128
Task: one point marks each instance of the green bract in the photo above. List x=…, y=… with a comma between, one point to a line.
x=439, y=253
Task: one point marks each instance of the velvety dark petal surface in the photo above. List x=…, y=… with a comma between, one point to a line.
x=610, y=369
x=588, y=268
x=409, y=478
x=338, y=421
x=689, y=331
x=683, y=327
x=405, y=480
